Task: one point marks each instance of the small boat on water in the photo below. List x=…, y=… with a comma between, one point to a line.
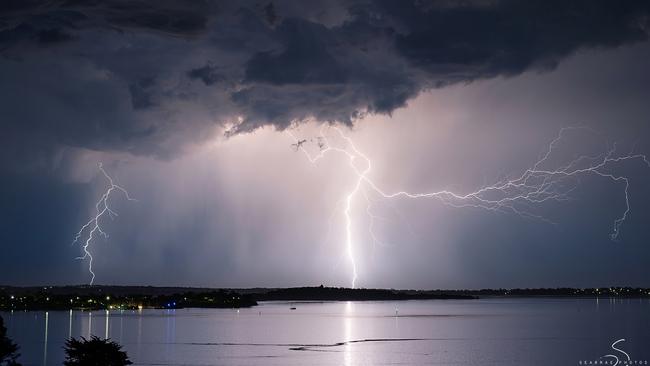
x=292, y=308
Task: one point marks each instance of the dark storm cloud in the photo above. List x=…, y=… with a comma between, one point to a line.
x=460, y=43
x=208, y=74
x=140, y=93
x=120, y=75
x=174, y=17
x=306, y=58
x=54, y=35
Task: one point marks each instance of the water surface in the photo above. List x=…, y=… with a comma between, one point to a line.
x=526, y=331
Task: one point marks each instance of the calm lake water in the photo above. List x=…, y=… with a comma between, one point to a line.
x=431, y=332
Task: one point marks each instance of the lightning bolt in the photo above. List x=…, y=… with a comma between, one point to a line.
x=93, y=226
x=518, y=195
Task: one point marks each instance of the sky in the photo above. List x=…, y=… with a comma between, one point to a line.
x=196, y=107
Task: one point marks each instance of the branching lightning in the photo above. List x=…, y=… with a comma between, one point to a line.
x=519, y=195
x=93, y=227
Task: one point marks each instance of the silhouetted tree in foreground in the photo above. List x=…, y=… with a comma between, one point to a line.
x=94, y=352
x=8, y=349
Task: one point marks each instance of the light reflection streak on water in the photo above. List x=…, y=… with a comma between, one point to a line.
x=47, y=319
x=106, y=326
x=347, y=324
x=70, y=325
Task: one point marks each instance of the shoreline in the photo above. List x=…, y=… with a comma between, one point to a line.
x=89, y=298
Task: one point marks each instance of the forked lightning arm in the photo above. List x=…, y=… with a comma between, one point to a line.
x=534, y=186
x=93, y=226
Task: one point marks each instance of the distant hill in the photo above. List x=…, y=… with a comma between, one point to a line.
x=347, y=294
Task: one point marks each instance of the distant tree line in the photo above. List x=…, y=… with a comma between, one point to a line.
x=126, y=298
x=42, y=299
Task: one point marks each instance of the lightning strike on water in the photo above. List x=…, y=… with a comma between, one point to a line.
x=93, y=226
x=519, y=195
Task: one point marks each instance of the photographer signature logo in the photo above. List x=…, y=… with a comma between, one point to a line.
x=617, y=357
x=620, y=351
